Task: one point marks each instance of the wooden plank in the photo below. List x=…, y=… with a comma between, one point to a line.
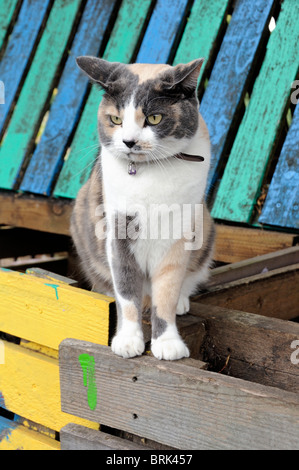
x=273, y=294
x=18, y=50
x=6, y=13
x=47, y=312
x=253, y=266
x=200, y=34
x=84, y=147
x=239, y=243
x=244, y=172
x=76, y=437
x=260, y=349
x=282, y=201
x=233, y=243
x=14, y=436
x=29, y=387
x=231, y=71
x=43, y=273
x=27, y=114
x=37, y=213
x=206, y=410
x=48, y=155
x=162, y=31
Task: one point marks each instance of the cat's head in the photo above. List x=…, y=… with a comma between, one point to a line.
x=148, y=112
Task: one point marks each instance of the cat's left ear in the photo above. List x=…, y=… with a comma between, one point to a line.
x=184, y=76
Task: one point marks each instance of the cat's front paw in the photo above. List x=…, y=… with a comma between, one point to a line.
x=128, y=345
x=169, y=346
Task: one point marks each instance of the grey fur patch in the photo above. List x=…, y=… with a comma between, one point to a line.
x=127, y=273
x=158, y=324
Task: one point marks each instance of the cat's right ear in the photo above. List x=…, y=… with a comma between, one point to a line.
x=98, y=70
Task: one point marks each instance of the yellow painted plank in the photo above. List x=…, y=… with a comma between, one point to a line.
x=29, y=387
x=46, y=312
x=21, y=438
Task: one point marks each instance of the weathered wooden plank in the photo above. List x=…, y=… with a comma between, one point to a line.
x=76, y=437
x=43, y=273
x=239, y=243
x=273, y=294
x=29, y=387
x=37, y=213
x=200, y=34
x=206, y=410
x=84, y=147
x=47, y=312
x=18, y=50
x=14, y=436
x=6, y=13
x=260, y=349
x=35, y=92
x=282, y=202
x=162, y=30
x=244, y=172
x=231, y=71
x=48, y=155
x=253, y=266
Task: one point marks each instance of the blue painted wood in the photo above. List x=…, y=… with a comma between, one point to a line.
x=6, y=428
x=48, y=156
x=230, y=73
x=19, y=48
x=282, y=203
x=161, y=31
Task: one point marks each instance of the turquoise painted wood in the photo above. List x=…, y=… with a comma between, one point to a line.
x=162, y=31
x=48, y=156
x=227, y=83
x=7, y=9
x=201, y=31
x=84, y=147
x=18, y=50
x=282, y=203
x=27, y=114
x=255, y=140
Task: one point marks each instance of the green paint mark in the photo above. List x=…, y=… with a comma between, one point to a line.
x=88, y=367
x=55, y=286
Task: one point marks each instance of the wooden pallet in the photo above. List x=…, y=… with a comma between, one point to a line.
x=48, y=308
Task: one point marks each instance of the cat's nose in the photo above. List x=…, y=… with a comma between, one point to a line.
x=129, y=143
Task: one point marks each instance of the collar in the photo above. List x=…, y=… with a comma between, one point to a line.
x=132, y=170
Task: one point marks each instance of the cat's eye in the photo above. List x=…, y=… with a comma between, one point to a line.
x=116, y=120
x=154, y=119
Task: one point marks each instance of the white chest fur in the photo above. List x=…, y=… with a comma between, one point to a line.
x=170, y=182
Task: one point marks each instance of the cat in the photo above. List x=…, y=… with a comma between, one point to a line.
x=148, y=117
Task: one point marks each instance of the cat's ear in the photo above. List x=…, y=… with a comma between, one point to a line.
x=184, y=76
x=98, y=70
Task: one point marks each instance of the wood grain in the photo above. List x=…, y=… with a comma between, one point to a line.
x=35, y=92
x=245, y=170
x=47, y=311
x=273, y=294
x=179, y=405
x=227, y=83
x=18, y=50
x=47, y=158
x=282, y=203
x=259, y=348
